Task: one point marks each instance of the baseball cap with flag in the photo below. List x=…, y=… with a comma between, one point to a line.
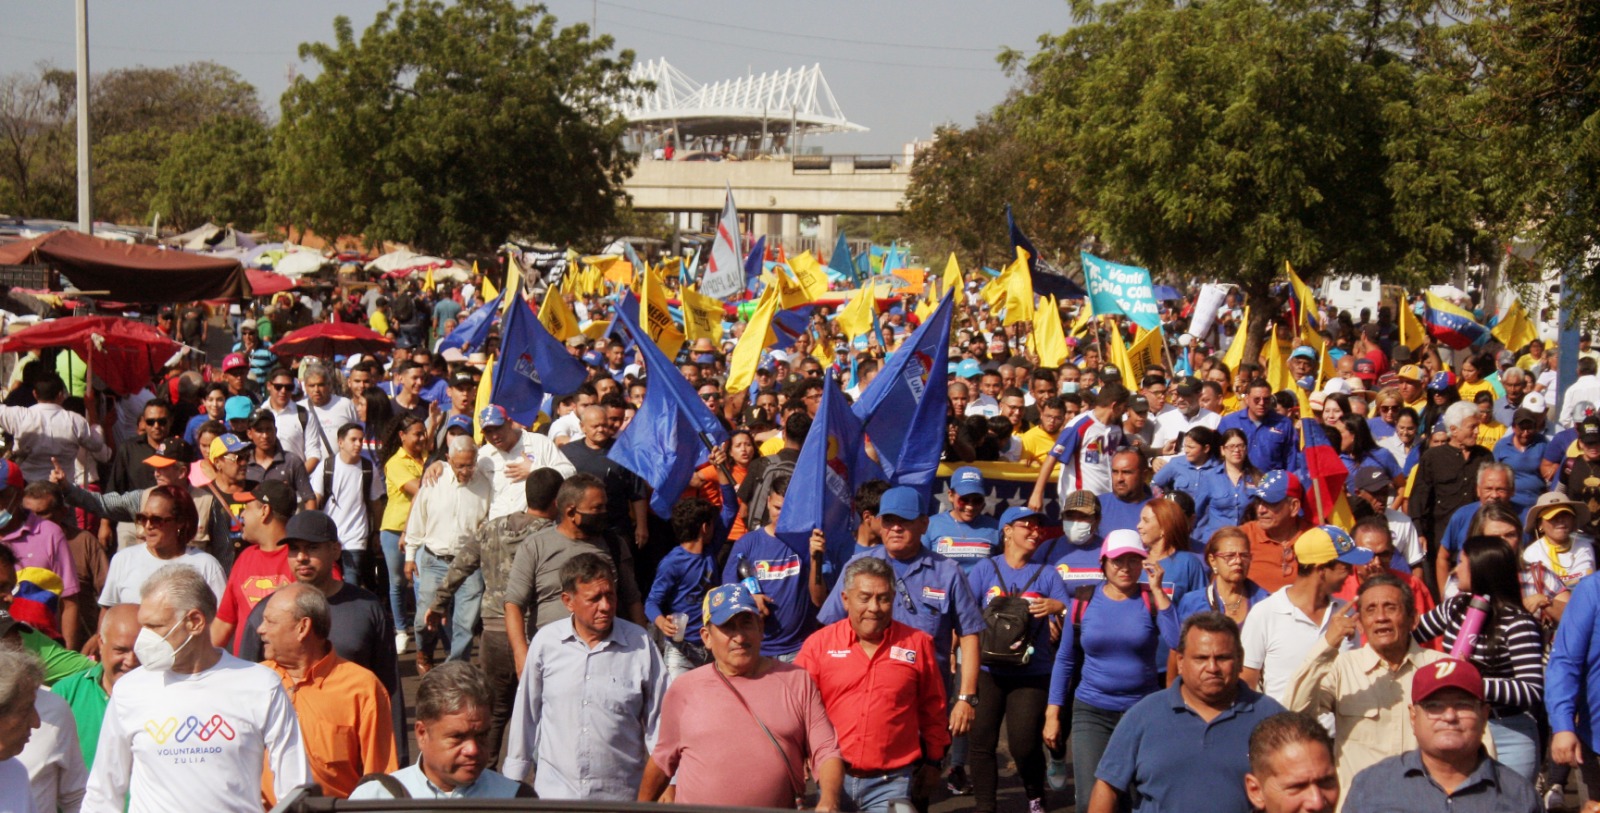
x=492, y=415
x=1326, y=543
x=727, y=601
x=1278, y=486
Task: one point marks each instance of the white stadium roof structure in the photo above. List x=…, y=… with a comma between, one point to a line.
x=764, y=106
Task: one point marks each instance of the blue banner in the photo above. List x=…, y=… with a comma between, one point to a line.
x=1121, y=289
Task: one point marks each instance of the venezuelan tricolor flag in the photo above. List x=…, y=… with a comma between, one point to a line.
x=1450, y=325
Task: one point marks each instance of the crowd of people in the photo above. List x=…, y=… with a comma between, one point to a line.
x=212, y=587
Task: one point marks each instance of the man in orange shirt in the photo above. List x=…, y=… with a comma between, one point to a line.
x=882, y=689
x=1275, y=523
x=344, y=711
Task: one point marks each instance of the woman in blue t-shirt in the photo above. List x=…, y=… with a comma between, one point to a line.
x=1112, y=646
x=1164, y=529
x=1187, y=472
x=1229, y=487
x=1016, y=694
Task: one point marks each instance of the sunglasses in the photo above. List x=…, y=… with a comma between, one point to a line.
x=710, y=396
x=289, y=386
x=151, y=519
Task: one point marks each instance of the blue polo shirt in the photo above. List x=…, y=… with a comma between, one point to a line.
x=1118, y=515
x=931, y=595
x=783, y=576
x=986, y=584
x=1572, y=679
x=1164, y=757
x=1455, y=532
x=1271, y=441
x=1181, y=475
x=1401, y=783
x=1527, y=484
x=964, y=543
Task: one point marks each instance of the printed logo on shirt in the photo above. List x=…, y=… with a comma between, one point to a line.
x=191, y=741
x=963, y=548
x=993, y=593
x=838, y=653
x=1069, y=573
x=933, y=595
x=900, y=653
x=774, y=570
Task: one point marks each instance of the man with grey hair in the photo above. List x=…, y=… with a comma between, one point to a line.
x=444, y=514
x=452, y=729
x=191, y=728
x=1445, y=480
x=1517, y=384
x=20, y=679
x=330, y=409
x=882, y=688
x=344, y=711
x=596, y=748
x=1494, y=484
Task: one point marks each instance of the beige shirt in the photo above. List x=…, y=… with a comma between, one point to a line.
x=444, y=514
x=1370, y=702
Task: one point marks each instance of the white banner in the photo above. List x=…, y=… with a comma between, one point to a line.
x=1206, y=306
x=725, y=273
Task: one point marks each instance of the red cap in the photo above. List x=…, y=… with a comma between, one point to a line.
x=233, y=360
x=1446, y=673
x=11, y=476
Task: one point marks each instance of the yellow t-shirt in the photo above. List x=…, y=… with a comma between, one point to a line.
x=1036, y=445
x=379, y=323
x=401, y=469
x=1470, y=391
x=771, y=446
x=1490, y=433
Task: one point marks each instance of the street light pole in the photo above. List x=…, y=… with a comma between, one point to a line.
x=85, y=208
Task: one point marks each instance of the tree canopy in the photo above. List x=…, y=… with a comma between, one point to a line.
x=453, y=127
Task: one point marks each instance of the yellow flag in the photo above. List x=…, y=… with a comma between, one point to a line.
x=513, y=281
x=790, y=294
x=856, y=318
x=427, y=280
x=702, y=315
x=1019, y=291
x=925, y=310
x=1235, y=354
x=813, y=278
x=952, y=274
x=1144, y=353
x=747, y=353
x=657, y=320
x=1278, y=368
x=1119, y=358
x=485, y=386
x=489, y=291
x=1049, y=340
x=1302, y=292
x=1412, y=334
x=1515, y=329
x=557, y=315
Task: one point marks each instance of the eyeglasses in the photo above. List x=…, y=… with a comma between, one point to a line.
x=151, y=519
x=1233, y=447
x=232, y=458
x=280, y=387
x=1236, y=556
x=155, y=421
x=971, y=499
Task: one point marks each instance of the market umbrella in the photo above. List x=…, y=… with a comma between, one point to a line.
x=124, y=353
x=329, y=339
x=266, y=283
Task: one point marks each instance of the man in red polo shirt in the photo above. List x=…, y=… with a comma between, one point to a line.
x=882, y=690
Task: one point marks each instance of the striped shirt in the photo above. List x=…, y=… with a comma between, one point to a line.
x=1510, y=657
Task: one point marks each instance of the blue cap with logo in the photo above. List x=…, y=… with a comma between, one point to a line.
x=458, y=422
x=1017, y=513
x=727, y=601
x=969, y=368
x=594, y=358
x=1304, y=351
x=1278, y=486
x=901, y=501
x=967, y=481
x=492, y=415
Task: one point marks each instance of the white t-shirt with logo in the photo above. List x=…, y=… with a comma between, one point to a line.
x=175, y=742
x=347, y=508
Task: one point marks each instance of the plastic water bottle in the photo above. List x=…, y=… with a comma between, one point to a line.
x=1471, y=627
x=747, y=577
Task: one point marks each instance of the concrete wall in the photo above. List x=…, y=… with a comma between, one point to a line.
x=766, y=186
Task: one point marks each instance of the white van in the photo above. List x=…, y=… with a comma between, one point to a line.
x=1352, y=294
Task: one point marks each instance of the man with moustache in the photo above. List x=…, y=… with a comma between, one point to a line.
x=89, y=692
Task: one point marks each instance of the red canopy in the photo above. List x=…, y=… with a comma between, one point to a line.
x=329, y=339
x=267, y=283
x=128, y=355
x=131, y=273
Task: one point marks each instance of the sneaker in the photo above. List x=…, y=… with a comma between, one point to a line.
x=1035, y=806
x=1555, y=798
x=1055, y=772
x=957, y=783
x=401, y=640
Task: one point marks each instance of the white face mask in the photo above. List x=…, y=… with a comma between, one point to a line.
x=155, y=652
x=1077, y=531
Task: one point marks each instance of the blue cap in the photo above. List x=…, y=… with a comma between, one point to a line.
x=458, y=422
x=969, y=368
x=593, y=358
x=901, y=501
x=1441, y=381
x=967, y=481
x=492, y=415
x=1304, y=351
x=1278, y=486
x=1018, y=512
x=705, y=358
x=1327, y=543
x=231, y=443
x=238, y=407
x=725, y=602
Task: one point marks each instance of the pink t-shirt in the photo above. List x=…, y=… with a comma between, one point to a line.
x=719, y=755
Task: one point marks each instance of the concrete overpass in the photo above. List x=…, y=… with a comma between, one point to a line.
x=775, y=191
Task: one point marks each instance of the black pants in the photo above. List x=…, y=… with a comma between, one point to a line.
x=494, y=655
x=1019, y=702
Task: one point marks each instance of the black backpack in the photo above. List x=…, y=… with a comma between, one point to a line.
x=1008, y=624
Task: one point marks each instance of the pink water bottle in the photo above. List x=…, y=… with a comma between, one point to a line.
x=1471, y=626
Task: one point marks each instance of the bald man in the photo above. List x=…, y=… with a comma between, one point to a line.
x=627, y=511
x=87, y=692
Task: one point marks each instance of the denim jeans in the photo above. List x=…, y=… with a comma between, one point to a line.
x=1516, y=743
x=683, y=656
x=872, y=794
x=431, y=572
x=350, y=563
x=396, y=564
x=1091, y=730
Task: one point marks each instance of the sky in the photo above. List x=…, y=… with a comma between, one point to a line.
x=900, y=68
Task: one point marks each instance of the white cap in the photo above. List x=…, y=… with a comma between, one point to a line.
x=1184, y=340
x=1534, y=402
x=779, y=355
x=1335, y=385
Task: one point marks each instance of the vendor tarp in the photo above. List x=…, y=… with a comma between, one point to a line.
x=131, y=273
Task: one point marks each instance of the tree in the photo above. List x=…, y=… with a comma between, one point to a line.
x=218, y=173
x=452, y=127
x=1221, y=139
x=36, y=148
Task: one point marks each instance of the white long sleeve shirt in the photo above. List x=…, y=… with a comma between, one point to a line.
x=46, y=430
x=444, y=514
x=510, y=496
x=56, y=774
x=175, y=742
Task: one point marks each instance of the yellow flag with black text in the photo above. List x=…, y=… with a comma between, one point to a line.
x=557, y=316
x=702, y=315
x=656, y=319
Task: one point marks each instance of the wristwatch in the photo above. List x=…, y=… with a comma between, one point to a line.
x=969, y=699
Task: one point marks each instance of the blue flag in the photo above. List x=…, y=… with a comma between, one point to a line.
x=473, y=331
x=532, y=363
x=1046, y=280
x=903, y=409
x=832, y=463
x=671, y=434
x=841, y=263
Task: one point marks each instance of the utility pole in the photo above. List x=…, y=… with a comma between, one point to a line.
x=85, y=204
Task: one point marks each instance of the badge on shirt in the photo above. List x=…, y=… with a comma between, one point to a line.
x=900, y=653
x=933, y=594
x=838, y=653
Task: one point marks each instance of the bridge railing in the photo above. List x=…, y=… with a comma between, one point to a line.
x=847, y=164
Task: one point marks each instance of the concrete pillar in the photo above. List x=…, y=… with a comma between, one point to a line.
x=827, y=233
x=764, y=224
x=791, y=230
